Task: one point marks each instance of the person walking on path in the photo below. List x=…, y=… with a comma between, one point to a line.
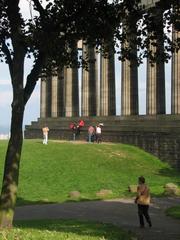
x=143, y=201
x=45, y=131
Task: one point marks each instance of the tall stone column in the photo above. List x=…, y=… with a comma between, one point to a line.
x=175, y=85
x=54, y=94
x=61, y=92
x=75, y=93
x=129, y=72
x=43, y=102
x=151, y=89
x=155, y=96
x=107, y=85
x=89, y=82
x=129, y=87
x=48, y=95
x=71, y=92
x=97, y=64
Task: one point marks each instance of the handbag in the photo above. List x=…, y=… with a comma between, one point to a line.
x=136, y=199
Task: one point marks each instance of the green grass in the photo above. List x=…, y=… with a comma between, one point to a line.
x=49, y=172
x=63, y=230
x=174, y=212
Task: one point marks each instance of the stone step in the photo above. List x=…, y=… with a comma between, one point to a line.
x=111, y=124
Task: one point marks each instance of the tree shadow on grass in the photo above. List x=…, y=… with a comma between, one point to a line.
x=82, y=199
x=119, y=212
x=170, y=172
x=80, y=228
x=23, y=202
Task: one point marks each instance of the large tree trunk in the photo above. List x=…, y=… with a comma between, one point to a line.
x=15, y=59
x=12, y=161
x=11, y=168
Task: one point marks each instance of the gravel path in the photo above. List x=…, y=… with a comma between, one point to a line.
x=120, y=212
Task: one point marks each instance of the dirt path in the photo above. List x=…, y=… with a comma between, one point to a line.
x=121, y=212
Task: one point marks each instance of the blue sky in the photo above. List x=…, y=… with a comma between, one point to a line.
x=32, y=108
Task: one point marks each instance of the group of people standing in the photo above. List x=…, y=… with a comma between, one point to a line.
x=76, y=128
x=94, y=132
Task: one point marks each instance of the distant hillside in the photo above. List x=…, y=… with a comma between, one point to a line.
x=4, y=129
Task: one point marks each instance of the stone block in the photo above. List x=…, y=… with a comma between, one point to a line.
x=171, y=189
x=132, y=188
x=104, y=193
x=74, y=194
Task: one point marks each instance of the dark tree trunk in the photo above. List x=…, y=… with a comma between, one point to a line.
x=13, y=155
x=12, y=162
x=11, y=169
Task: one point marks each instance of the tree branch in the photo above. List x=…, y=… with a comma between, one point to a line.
x=16, y=25
x=39, y=8
x=33, y=77
x=7, y=53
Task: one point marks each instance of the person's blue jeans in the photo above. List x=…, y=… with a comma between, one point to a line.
x=90, y=137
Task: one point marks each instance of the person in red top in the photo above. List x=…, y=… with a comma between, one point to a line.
x=79, y=126
x=81, y=123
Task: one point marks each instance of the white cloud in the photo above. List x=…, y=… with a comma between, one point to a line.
x=5, y=82
x=25, y=8
x=5, y=98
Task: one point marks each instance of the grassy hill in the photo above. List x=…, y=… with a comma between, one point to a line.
x=49, y=172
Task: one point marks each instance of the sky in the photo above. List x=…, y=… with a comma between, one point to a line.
x=33, y=106
x=32, y=111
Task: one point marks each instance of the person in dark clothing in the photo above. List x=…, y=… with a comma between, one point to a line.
x=143, y=202
x=74, y=130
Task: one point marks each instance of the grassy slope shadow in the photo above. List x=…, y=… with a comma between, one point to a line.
x=80, y=228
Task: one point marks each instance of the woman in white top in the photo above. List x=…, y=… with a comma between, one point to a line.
x=98, y=134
